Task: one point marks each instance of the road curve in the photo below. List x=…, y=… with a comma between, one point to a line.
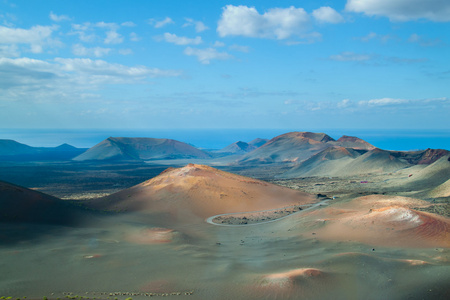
x=210, y=219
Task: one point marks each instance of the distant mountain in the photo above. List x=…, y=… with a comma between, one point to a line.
x=375, y=161
x=325, y=163
x=65, y=147
x=421, y=157
x=10, y=147
x=339, y=161
x=258, y=142
x=353, y=142
x=11, y=150
x=289, y=147
x=122, y=148
x=237, y=148
x=195, y=192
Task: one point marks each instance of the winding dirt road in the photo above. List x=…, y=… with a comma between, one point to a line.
x=210, y=219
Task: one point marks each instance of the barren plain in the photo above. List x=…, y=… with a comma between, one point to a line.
x=110, y=230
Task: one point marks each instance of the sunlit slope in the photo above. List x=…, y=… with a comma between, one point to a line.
x=121, y=148
x=353, y=142
x=299, y=146
x=328, y=162
x=426, y=178
x=382, y=220
x=442, y=190
x=197, y=191
x=289, y=147
x=338, y=161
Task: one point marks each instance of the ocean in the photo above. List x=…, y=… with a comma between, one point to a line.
x=218, y=138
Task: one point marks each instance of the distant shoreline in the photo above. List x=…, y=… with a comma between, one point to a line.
x=394, y=139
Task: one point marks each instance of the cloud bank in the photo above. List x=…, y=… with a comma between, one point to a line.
x=327, y=14
x=403, y=10
x=276, y=23
x=206, y=55
x=36, y=37
x=24, y=79
x=181, y=40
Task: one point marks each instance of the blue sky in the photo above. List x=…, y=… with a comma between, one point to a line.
x=225, y=64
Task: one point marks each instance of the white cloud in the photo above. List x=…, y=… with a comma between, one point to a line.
x=369, y=37
x=126, y=51
x=181, y=40
x=9, y=51
x=59, y=18
x=83, y=27
x=206, y=55
x=25, y=79
x=383, y=102
x=86, y=32
x=160, y=24
x=110, y=26
x=113, y=37
x=80, y=50
x=36, y=37
x=372, y=105
x=278, y=23
x=134, y=37
x=82, y=30
x=199, y=26
x=403, y=10
x=388, y=103
x=424, y=41
x=219, y=44
x=128, y=24
x=239, y=48
x=350, y=56
x=101, y=67
x=326, y=14
x=36, y=34
x=345, y=103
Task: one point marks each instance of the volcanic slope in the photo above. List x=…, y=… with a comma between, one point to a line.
x=258, y=142
x=442, y=190
x=22, y=205
x=339, y=161
x=299, y=146
x=328, y=162
x=425, y=177
x=12, y=150
x=237, y=148
x=353, y=142
x=288, y=147
x=195, y=192
x=122, y=148
x=11, y=147
x=382, y=220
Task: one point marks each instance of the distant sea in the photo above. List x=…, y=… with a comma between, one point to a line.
x=218, y=138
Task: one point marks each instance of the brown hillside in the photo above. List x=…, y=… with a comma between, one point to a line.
x=197, y=191
x=289, y=147
x=384, y=220
x=22, y=205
